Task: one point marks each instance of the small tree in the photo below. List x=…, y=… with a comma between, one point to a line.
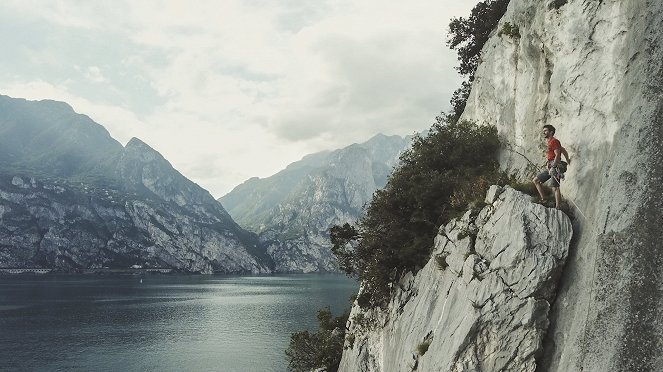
x=309, y=351
x=459, y=101
x=469, y=35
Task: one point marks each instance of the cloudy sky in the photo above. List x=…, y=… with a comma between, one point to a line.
x=232, y=89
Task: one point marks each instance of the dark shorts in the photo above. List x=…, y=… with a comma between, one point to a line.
x=545, y=176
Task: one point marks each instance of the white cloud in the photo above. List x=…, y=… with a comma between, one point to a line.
x=65, y=13
x=93, y=74
x=233, y=89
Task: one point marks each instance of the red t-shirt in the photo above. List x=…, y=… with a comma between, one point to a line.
x=553, y=144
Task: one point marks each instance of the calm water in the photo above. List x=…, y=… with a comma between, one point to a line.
x=165, y=323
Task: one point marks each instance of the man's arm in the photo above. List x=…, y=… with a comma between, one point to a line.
x=566, y=156
x=558, y=156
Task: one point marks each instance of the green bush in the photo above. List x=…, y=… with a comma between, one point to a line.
x=422, y=348
x=361, y=321
x=510, y=30
x=309, y=351
x=556, y=4
x=350, y=340
x=441, y=174
x=468, y=35
x=441, y=261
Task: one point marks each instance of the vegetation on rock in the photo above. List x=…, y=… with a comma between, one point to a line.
x=323, y=349
x=468, y=36
x=444, y=172
x=422, y=348
x=510, y=30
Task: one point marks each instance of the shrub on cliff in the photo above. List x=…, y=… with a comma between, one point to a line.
x=437, y=178
x=310, y=351
x=468, y=35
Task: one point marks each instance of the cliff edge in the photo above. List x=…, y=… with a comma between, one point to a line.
x=594, y=70
x=481, y=303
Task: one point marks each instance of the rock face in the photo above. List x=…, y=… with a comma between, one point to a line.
x=293, y=210
x=482, y=301
x=76, y=208
x=594, y=70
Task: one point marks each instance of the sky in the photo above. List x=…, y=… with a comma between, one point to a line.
x=232, y=89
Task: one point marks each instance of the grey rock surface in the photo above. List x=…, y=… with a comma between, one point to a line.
x=594, y=70
x=482, y=301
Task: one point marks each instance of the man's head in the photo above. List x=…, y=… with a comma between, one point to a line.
x=548, y=131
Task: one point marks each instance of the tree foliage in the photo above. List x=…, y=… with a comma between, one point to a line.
x=458, y=101
x=468, y=35
x=437, y=178
x=323, y=349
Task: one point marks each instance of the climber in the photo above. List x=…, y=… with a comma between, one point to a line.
x=553, y=165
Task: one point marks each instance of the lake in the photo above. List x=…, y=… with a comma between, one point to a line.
x=160, y=323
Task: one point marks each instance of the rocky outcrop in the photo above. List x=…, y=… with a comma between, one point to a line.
x=74, y=208
x=293, y=210
x=594, y=70
x=482, y=301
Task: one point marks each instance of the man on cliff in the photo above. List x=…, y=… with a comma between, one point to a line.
x=553, y=155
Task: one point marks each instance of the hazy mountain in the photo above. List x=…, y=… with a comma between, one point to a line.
x=49, y=138
x=293, y=210
x=73, y=197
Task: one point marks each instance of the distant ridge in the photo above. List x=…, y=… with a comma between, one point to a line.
x=293, y=210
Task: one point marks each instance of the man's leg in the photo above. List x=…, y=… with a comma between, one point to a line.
x=539, y=188
x=558, y=197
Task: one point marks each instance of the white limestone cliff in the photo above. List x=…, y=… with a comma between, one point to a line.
x=594, y=70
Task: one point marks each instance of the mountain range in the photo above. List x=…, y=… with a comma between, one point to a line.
x=293, y=210
x=72, y=198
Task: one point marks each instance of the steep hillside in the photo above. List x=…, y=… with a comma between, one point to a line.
x=293, y=210
x=72, y=198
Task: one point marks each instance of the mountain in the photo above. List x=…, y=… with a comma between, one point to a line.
x=71, y=197
x=49, y=138
x=593, y=70
x=293, y=210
